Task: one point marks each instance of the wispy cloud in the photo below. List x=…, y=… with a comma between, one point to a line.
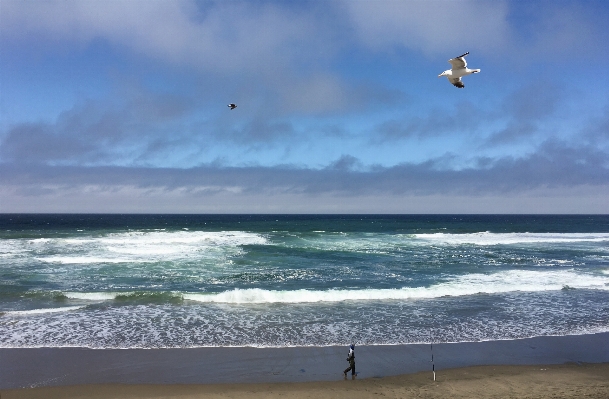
x=430, y=27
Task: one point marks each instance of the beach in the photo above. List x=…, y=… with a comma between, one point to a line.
x=569, y=366
x=539, y=381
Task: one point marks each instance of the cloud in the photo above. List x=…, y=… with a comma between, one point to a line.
x=273, y=37
x=496, y=28
x=139, y=125
x=244, y=45
x=465, y=118
x=346, y=163
x=259, y=131
x=557, y=29
x=554, y=164
x=284, y=55
x=98, y=132
x=525, y=110
x=598, y=130
x=533, y=102
x=224, y=36
x=529, y=112
x=38, y=143
x=430, y=27
x=554, y=178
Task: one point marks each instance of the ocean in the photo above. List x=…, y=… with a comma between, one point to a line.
x=189, y=281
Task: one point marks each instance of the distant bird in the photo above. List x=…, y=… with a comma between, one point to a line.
x=232, y=106
x=458, y=70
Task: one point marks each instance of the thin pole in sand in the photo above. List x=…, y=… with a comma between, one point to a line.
x=433, y=366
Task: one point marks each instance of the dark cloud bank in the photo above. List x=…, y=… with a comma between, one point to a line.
x=554, y=165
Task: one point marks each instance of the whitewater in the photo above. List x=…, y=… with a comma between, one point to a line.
x=175, y=281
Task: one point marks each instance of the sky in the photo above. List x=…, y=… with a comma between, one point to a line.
x=121, y=106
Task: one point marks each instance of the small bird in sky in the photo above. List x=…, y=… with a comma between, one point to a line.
x=232, y=106
x=458, y=70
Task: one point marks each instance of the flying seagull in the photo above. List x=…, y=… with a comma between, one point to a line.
x=458, y=70
x=232, y=106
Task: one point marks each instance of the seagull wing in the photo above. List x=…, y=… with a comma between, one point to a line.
x=456, y=82
x=458, y=62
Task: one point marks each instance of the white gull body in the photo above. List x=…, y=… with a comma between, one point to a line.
x=458, y=70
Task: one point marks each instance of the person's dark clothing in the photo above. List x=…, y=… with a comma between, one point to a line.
x=351, y=367
x=351, y=359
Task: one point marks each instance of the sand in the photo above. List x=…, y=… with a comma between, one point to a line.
x=549, y=381
x=540, y=367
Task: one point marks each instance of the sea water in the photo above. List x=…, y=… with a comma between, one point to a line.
x=178, y=281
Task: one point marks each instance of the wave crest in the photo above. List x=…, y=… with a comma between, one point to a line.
x=509, y=281
x=488, y=238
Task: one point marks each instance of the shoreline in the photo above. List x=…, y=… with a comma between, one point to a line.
x=49, y=367
x=530, y=381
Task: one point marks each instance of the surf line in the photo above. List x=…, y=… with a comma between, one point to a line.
x=433, y=366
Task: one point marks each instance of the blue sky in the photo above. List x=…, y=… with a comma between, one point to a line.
x=120, y=106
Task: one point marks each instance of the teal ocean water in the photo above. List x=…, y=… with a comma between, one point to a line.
x=174, y=281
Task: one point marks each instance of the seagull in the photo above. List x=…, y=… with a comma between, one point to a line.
x=232, y=106
x=458, y=70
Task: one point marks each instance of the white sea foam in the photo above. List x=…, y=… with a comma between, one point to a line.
x=147, y=250
x=92, y=296
x=41, y=311
x=231, y=238
x=39, y=240
x=520, y=280
x=354, y=242
x=488, y=238
x=70, y=260
x=204, y=324
x=389, y=243
x=141, y=247
x=502, y=282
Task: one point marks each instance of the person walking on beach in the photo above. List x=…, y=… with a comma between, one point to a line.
x=351, y=360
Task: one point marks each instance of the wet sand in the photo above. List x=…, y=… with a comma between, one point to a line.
x=572, y=366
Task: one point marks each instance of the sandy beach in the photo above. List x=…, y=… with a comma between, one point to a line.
x=548, y=381
x=541, y=367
